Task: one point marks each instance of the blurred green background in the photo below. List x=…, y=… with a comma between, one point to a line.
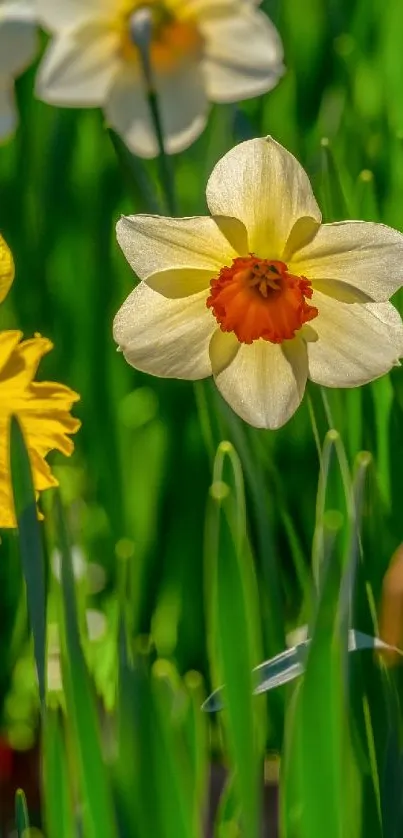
x=160, y=567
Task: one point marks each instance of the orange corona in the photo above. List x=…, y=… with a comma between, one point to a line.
x=258, y=298
x=172, y=42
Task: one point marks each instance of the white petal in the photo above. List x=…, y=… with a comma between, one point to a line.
x=356, y=343
x=18, y=10
x=223, y=349
x=180, y=282
x=243, y=36
x=168, y=338
x=264, y=186
x=184, y=106
x=226, y=83
x=18, y=40
x=204, y=9
x=78, y=67
x=265, y=382
x=182, y=102
x=8, y=111
x=364, y=254
x=243, y=55
x=127, y=111
x=60, y=14
x=152, y=243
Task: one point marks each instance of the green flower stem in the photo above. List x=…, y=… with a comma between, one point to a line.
x=141, y=31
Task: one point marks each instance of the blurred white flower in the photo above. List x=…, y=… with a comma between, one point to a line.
x=18, y=45
x=78, y=561
x=201, y=50
x=261, y=295
x=93, y=573
x=96, y=624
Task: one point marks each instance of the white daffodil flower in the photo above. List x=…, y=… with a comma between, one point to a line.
x=200, y=51
x=18, y=45
x=261, y=295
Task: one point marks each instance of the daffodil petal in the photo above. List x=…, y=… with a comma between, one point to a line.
x=24, y=10
x=356, y=343
x=229, y=37
x=42, y=408
x=364, y=254
x=183, y=107
x=223, y=349
x=183, y=103
x=18, y=39
x=226, y=83
x=265, y=382
x=9, y=340
x=167, y=338
x=264, y=186
x=342, y=291
x=204, y=9
x=6, y=269
x=79, y=66
x=23, y=361
x=152, y=243
x=235, y=232
x=181, y=282
x=61, y=15
x=8, y=110
x=243, y=54
x=44, y=479
x=127, y=112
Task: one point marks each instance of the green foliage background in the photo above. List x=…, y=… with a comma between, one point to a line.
x=203, y=585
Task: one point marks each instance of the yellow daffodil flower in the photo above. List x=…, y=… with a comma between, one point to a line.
x=200, y=51
x=261, y=295
x=43, y=408
x=18, y=45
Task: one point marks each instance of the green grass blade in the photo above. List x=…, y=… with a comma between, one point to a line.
x=228, y=818
x=136, y=177
x=366, y=199
x=196, y=733
x=21, y=814
x=335, y=207
x=318, y=778
x=174, y=777
x=31, y=548
x=234, y=642
x=261, y=500
x=161, y=769
x=57, y=793
x=98, y=814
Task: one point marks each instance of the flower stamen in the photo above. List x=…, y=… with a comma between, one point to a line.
x=258, y=298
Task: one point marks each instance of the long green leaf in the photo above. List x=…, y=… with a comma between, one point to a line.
x=319, y=712
x=232, y=603
x=31, y=548
x=21, y=814
x=98, y=814
x=57, y=786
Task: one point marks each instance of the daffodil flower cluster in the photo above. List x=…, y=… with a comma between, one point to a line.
x=43, y=408
x=261, y=295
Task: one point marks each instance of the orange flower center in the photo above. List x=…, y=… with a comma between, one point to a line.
x=172, y=40
x=258, y=298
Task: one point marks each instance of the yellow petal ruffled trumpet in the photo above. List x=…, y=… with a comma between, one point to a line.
x=200, y=51
x=261, y=295
x=43, y=408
